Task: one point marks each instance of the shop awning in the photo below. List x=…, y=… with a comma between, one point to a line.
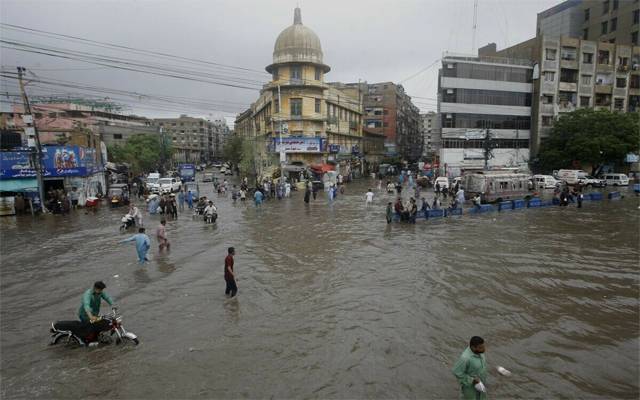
x=19, y=185
x=323, y=168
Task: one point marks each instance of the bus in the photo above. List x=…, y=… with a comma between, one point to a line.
x=496, y=186
x=187, y=172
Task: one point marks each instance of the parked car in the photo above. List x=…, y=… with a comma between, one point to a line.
x=169, y=185
x=545, y=182
x=443, y=181
x=616, y=179
x=593, y=182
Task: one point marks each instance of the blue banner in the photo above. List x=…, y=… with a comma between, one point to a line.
x=58, y=161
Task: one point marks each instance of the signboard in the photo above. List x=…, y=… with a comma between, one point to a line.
x=334, y=148
x=27, y=119
x=298, y=145
x=57, y=161
x=632, y=158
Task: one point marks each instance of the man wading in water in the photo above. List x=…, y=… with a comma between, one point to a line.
x=471, y=371
x=229, y=276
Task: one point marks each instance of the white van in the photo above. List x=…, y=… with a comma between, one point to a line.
x=152, y=182
x=571, y=176
x=443, y=181
x=545, y=182
x=616, y=179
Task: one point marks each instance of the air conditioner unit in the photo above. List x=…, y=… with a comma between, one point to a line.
x=449, y=116
x=449, y=91
x=450, y=66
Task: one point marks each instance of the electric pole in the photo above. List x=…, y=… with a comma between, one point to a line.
x=487, y=149
x=33, y=138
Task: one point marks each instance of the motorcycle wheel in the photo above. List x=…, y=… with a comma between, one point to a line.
x=121, y=341
x=71, y=340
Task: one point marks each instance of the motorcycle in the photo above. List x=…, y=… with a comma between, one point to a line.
x=86, y=333
x=127, y=222
x=210, y=218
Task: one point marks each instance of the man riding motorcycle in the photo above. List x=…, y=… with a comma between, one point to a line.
x=90, y=309
x=210, y=212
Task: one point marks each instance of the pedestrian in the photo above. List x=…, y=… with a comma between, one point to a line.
x=413, y=211
x=437, y=188
x=436, y=204
x=314, y=191
x=190, y=199
x=471, y=371
x=73, y=195
x=181, y=200
x=307, y=194
x=19, y=204
x=369, y=198
x=580, y=198
x=258, y=197
x=229, y=275
x=161, y=235
x=425, y=206
x=243, y=194
x=136, y=214
x=142, y=244
x=399, y=208
x=172, y=207
x=399, y=188
x=234, y=194
x=477, y=201
x=163, y=204
x=389, y=212
x=287, y=189
x=460, y=196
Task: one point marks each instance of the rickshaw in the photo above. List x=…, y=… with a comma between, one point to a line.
x=118, y=195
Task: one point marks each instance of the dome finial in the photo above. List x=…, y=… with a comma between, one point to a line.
x=297, y=16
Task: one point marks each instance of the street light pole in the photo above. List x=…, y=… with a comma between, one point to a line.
x=282, y=158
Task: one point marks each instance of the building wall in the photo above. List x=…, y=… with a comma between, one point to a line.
x=563, y=19
x=432, y=135
x=193, y=139
x=619, y=14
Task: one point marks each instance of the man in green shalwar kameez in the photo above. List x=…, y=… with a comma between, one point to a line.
x=470, y=369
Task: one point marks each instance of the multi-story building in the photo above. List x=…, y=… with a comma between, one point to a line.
x=317, y=121
x=612, y=21
x=431, y=135
x=193, y=139
x=484, y=102
x=388, y=110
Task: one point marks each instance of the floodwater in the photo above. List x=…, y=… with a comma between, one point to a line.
x=333, y=303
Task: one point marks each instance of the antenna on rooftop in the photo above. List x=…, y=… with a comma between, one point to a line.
x=475, y=26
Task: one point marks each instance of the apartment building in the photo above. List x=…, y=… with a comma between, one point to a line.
x=431, y=135
x=576, y=73
x=484, y=101
x=193, y=139
x=613, y=21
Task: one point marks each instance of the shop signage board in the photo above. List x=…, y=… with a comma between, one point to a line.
x=298, y=145
x=58, y=161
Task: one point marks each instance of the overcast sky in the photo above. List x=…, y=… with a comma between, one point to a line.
x=372, y=40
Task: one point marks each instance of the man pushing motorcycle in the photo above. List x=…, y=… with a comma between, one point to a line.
x=90, y=309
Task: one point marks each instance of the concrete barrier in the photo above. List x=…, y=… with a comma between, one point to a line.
x=534, y=203
x=455, y=211
x=595, y=196
x=518, y=204
x=505, y=205
x=435, y=213
x=546, y=203
x=483, y=209
x=614, y=195
x=636, y=187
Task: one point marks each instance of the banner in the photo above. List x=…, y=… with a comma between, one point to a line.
x=57, y=161
x=298, y=145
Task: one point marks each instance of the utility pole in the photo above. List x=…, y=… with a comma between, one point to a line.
x=487, y=149
x=283, y=155
x=33, y=138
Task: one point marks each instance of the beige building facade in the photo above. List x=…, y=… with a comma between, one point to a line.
x=317, y=121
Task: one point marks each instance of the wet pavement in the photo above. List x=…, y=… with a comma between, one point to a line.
x=332, y=303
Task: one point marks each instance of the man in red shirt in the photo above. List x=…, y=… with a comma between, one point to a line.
x=229, y=277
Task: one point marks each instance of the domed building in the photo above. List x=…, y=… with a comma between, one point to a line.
x=317, y=121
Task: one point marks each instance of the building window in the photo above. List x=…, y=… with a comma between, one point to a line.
x=547, y=99
x=117, y=136
x=621, y=83
x=605, y=7
x=586, y=80
x=551, y=54
x=603, y=100
x=584, y=101
x=568, y=75
x=296, y=72
x=615, y=4
x=547, y=120
x=318, y=75
x=636, y=16
x=618, y=104
x=296, y=107
x=585, y=34
x=587, y=58
x=603, y=57
x=549, y=76
x=634, y=82
x=568, y=53
x=586, y=14
x=276, y=106
x=317, y=105
x=634, y=38
x=614, y=24
x=275, y=74
x=604, y=26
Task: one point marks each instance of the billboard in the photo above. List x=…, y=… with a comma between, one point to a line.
x=299, y=145
x=58, y=161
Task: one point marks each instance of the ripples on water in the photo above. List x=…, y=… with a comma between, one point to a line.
x=333, y=303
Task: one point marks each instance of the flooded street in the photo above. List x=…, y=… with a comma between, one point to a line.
x=332, y=302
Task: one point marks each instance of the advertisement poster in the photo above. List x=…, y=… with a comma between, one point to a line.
x=298, y=145
x=57, y=161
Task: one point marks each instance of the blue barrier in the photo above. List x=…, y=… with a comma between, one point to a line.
x=534, y=202
x=435, y=213
x=483, y=209
x=595, y=196
x=556, y=201
x=518, y=204
x=614, y=195
x=636, y=188
x=455, y=211
x=546, y=203
x=505, y=205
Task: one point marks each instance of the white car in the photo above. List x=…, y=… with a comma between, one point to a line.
x=593, y=182
x=169, y=185
x=545, y=182
x=616, y=179
x=443, y=181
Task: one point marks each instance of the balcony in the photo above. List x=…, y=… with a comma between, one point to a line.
x=547, y=109
x=568, y=86
x=603, y=88
x=566, y=107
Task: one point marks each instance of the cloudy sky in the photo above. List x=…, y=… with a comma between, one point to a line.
x=372, y=40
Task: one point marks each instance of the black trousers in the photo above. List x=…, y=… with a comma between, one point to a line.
x=232, y=288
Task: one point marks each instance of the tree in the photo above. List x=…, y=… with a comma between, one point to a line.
x=232, y=150
x=142, y=152
x=590, y=137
